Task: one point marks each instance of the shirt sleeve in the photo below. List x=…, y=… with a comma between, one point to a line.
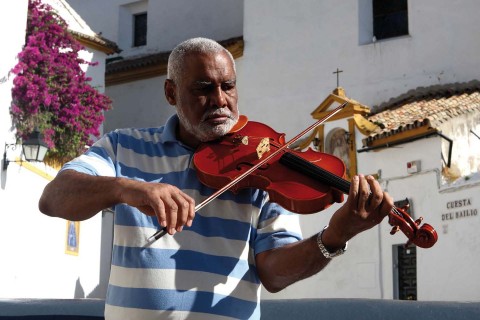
x=276, y=228
x=98, y=160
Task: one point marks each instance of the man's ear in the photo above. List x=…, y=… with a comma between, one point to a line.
x=170, y=89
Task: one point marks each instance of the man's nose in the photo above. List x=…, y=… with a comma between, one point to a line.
x=218, y=98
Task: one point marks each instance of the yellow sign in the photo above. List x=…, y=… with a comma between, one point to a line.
x=72, y=239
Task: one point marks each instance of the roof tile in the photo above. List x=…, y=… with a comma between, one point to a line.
x=425, y=106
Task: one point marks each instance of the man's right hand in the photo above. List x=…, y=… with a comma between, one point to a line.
x=173, y=208
x=78, y=196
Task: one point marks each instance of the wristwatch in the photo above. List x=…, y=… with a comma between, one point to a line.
x=327, y=254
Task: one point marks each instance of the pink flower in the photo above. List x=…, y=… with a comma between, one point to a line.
x=51, y=92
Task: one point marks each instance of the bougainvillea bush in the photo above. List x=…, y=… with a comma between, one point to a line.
x=51, y=92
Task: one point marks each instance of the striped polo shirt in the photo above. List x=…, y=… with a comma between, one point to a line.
x=207, y=271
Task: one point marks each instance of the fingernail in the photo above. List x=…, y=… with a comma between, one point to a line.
x=179, y=229
x=172, y=231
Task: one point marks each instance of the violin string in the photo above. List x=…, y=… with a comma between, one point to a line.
x=268, y=158
x=298, y=163
x=213, y=196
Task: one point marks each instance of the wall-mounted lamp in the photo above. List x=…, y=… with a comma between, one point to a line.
x=33, y=149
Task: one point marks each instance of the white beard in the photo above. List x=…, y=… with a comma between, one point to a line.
x=204, y=131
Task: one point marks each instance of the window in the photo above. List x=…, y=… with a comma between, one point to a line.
x=390, y=18
x=139, y=29
x=132, y=27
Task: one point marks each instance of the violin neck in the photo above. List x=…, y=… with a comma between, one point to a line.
x=303, y=166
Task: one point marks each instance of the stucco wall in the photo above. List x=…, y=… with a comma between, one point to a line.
x=446, y=271
x=169, y=22
x=32, y=246
x=137, y=104
x=291, y=50
x=464, y=131
x=293, y=47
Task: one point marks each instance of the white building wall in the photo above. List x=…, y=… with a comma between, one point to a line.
x=291, y=50
x=465, y=131
x=447, y=271
x=169, y=22
x=35, y=264
x=32, y=245
x=138, y=104
x=13, y=40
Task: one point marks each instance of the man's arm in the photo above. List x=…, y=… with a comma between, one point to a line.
x=365, y=207
x=77, y=196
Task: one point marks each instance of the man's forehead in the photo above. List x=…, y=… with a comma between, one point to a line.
x=209, y=67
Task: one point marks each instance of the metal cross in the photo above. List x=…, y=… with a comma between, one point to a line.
x=338, y=76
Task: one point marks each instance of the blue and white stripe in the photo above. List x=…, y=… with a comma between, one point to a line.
x=206, y=271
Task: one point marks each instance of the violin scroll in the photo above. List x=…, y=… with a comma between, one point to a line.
x=423, y=236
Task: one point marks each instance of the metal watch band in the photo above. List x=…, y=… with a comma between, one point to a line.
x=327, y=254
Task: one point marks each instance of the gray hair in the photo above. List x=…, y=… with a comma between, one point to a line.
x=194, y=45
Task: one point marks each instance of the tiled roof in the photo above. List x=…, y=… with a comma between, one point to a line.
x=109, y=46
x=430, y=106
x=136, y=62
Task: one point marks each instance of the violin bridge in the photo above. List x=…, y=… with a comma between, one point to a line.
x=263, y=147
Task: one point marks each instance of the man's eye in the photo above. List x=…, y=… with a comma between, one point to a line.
x=228, y=86
x=202, y=88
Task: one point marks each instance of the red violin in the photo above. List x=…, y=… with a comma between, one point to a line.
x=255, y=156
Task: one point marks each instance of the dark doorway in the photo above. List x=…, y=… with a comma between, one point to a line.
x=405, y=272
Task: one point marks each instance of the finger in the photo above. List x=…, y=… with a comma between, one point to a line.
x=171, y=209
x=184, y=203
x=159, y=210
x=191, y=215
x=191, y=210
x=363, y=196
x=352, y=196
x=387, y=205
x=376, y=195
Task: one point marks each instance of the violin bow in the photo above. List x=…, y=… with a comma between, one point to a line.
x=157, y=235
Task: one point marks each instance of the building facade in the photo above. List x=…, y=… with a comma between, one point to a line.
x=43, y=257
x=290, y=55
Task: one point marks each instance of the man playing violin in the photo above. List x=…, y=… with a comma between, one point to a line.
x=210, y=264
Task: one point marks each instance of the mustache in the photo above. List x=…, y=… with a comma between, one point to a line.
x=218, y=113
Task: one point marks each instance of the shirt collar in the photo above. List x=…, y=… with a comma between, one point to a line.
x=170, y=131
